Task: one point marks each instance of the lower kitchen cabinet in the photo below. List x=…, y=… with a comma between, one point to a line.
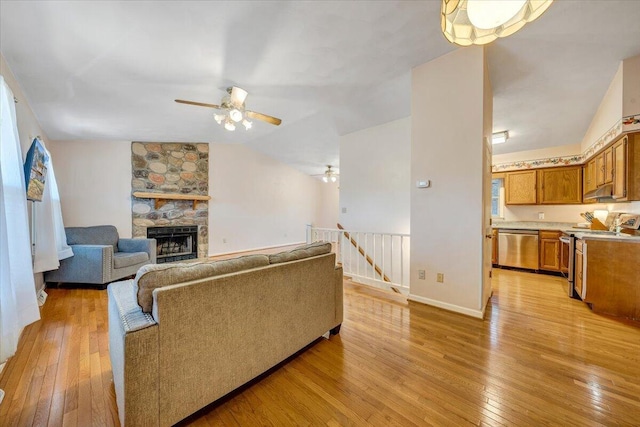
x=608, y=279
x=579, y=279
x=549, y=245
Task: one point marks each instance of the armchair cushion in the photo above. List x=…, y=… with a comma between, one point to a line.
x=96, y=235
x=127, y=259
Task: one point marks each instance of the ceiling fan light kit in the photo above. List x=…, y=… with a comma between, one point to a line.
x=468, y=22
x=232, y=110
x=330, y=175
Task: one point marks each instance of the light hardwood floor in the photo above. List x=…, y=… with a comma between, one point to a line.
x=538, y=358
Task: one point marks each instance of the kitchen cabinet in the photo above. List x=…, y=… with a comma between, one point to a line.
x=521, y=187
x=494, y=246
x=579, y=279
x=562, y=185
x=620, y=169
x=549, y=250
x=604, y=167
x=612, y=286
x=589, y=179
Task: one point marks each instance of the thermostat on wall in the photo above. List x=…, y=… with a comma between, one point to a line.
x=423, y=184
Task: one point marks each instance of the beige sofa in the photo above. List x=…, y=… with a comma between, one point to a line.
x=214, y=326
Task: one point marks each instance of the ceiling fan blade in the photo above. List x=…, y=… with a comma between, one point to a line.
x=265, y=118
x=238, y=95
x=199, y=104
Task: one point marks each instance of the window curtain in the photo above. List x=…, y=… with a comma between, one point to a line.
x=50, y=238
x=18, y=300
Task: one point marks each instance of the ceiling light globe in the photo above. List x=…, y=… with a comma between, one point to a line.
x=325, y=178
x=228, y=125
x=333, y=178
x=488, y=14
x=247, y=124
x=235, y=114
x=219, y=118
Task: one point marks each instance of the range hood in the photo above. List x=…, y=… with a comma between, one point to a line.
x=605, y=192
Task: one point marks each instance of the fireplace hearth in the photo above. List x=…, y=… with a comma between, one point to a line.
x=175, y=243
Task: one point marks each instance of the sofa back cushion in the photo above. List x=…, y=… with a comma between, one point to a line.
x=301, y=252
x=96, y=235
x=152, y=276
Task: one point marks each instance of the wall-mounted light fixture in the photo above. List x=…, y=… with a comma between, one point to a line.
x=467, y=22
x=499, y=137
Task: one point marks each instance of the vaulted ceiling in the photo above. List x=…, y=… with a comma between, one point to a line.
x=111, y=70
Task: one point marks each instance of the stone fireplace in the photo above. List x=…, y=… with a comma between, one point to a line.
x=175, y=243
x=175, y=170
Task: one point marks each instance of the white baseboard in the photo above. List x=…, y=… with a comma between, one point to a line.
x=478, y=314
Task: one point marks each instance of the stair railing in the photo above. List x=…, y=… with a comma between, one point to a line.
x=375, y=259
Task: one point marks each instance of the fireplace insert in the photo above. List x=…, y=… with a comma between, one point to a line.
x=175, y=243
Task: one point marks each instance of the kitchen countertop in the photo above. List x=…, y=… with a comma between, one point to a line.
x=622, y=237
x=533, y=225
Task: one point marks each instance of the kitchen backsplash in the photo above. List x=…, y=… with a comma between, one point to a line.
x=564, y=213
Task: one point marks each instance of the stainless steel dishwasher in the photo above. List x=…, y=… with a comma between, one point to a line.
x=518, y=248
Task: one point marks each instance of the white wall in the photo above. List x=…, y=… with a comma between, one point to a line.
x=328, y=205
x=375, y=178
x=257, y=201
x=28, y=128
x=608, y=114
x=631, y=86
x=543, y=153
x=447, y=148
x=94, y=181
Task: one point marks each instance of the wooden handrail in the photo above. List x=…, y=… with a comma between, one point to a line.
x=364, y=254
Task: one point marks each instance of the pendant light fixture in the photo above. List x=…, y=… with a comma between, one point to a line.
x=467, y=22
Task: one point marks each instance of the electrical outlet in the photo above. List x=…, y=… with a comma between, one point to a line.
x=421, y=274
x=344, y=210
x=224, y=240
x=440, y=278
x=540, y=215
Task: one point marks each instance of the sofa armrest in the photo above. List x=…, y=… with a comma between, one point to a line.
x=134, y=352
x=139, y=245
x=339, y=285
x=89, y=264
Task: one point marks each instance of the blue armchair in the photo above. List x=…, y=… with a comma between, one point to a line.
x=101, y=257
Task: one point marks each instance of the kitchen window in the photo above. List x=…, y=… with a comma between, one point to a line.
x=497, y=198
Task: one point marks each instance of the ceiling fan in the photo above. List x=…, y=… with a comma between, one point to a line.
x=329, y=175
x=232, y=110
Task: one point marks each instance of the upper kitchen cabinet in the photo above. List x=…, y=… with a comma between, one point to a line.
x=590, y=176
x=562, y=185
x=620, y=169
x=521, y=187
x=604, y=167
x=552, y=186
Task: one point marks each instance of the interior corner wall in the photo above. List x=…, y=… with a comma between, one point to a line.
x=328, y=205
x=608, y=114
x=94, y=182
x=28, y=128
x=375, y=178
x=631, y=86
x=257, y=201
x=447, y=149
